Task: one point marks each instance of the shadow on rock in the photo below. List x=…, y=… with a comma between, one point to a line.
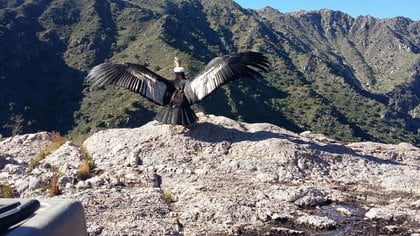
x=7, y=159
x=214, y=133
x=343, y=150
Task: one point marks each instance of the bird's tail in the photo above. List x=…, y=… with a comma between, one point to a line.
x=182, y=115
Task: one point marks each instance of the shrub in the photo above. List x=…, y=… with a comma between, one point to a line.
x=168, y=197
x=57, y=141
x=6, y=191
x=53, y=188
x=87, y=165
x=84, y=170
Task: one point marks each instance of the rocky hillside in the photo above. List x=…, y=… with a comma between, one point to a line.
x=222, y=177
x=350, y=78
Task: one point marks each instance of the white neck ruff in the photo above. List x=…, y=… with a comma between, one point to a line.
x=179, y=69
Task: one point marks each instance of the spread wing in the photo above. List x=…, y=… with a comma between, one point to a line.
x=133, y=77
x=222, y=70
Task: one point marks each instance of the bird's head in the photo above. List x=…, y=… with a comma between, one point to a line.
x=178, y=69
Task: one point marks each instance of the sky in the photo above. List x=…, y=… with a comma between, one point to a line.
x=375, y=8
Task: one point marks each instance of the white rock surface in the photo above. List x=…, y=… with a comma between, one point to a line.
x=317, y=221
x=67, y=158
x=385, y=213
x=23, y=147
x=226, y=177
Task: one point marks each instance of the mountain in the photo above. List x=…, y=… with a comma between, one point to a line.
x=223, y=178
x=349, y=78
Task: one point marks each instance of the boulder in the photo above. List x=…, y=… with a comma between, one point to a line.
x=228, y=177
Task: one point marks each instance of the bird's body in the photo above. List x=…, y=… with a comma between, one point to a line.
x=179, y=94
x=178, y=111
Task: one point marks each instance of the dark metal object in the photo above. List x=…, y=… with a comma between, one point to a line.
x=9, y=207
x=15, y=212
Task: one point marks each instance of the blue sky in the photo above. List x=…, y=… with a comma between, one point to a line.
x=375, y=8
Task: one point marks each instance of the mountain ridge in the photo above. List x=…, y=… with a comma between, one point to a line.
x=331, y=73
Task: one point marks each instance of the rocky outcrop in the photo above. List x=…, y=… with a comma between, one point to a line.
x=350, y=78
x=228, y=177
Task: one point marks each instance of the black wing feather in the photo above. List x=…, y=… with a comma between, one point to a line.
x=222, y=70
x=133, y=77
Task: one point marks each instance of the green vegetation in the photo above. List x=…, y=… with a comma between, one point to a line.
x=168, y=197
x=349, y=78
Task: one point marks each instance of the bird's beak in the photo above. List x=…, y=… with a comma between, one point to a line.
x=177, y=62
x=178, y=68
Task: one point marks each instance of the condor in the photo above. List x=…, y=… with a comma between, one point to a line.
x=179, y=94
